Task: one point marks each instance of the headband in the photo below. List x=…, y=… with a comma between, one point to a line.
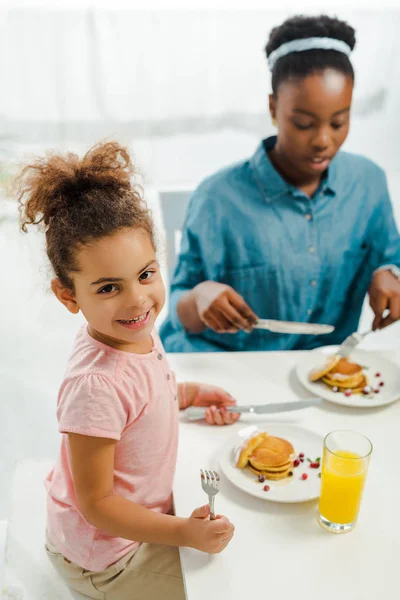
x=314, y=43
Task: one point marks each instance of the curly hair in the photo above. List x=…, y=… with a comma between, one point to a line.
x=298, y=65
x=77, y=201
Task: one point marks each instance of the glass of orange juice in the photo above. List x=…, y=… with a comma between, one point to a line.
x=344, y=469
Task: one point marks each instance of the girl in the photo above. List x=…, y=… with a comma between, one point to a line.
x=298, y=232
x=111, y=533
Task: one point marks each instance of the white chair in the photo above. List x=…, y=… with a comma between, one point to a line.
x=173, y=204
x=28, y=573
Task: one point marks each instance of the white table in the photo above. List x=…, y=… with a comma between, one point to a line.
x=279, y=551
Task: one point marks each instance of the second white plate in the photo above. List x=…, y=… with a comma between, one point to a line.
x=377, y=368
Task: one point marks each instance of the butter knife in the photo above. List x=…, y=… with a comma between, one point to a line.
x=293, y=327
x=193, y=413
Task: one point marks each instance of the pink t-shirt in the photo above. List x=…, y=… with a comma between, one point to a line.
x=131, y=398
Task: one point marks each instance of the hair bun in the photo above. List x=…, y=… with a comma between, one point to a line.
x=56, y=183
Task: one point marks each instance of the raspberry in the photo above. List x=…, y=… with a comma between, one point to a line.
x=266, y=488
x=304, y=477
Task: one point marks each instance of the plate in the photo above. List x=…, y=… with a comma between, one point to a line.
x=291, y=489
x=389, y=373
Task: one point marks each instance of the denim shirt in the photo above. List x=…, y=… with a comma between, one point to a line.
x=291, y=257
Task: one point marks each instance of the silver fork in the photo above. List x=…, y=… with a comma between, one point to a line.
x=350, y=343
x=210, y=484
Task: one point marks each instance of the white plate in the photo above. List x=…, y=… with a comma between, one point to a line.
x=389, y=371
x=291, y=489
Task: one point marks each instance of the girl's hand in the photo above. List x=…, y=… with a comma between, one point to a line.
x=205, y=535
x=222, y=309
x=213, y=398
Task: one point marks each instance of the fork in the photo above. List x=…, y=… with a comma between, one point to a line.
x=350, y=343
x=210, y=484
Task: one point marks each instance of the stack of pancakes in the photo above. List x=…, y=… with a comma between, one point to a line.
x=267, y=455
x=342, y=374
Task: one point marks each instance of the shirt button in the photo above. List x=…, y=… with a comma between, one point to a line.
x=159, y=356
x=168, y=376
x=313, y=283
x=311, y=249
x=308, y=217
x=309, y=312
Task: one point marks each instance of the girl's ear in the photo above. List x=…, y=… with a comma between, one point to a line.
x=65, y=296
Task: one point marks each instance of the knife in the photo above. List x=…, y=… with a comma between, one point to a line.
x=293, y=327
x=193, y=413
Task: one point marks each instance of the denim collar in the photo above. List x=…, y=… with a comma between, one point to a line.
x=273, y=185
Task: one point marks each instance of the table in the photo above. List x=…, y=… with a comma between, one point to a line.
x=279, y=551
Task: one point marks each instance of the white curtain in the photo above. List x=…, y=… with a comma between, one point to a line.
x=84, y=74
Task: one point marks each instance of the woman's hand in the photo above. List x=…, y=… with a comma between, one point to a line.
x=215, y=400
x=384, y=293
x=222, y=309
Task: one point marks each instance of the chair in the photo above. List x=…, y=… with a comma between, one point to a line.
x=173, y=204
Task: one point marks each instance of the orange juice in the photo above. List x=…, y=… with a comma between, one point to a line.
x=342, y=484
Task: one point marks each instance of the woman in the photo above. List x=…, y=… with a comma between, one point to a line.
x=299, y=231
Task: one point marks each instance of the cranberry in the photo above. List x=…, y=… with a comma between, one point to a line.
x=296, y=463
x=382, y=383
x=304, y=477
x=301, y=455
x=290, y=474
x=314, y=465
x=377, y=374
x=302, y=460
x=377, y=391
x=347, y=393
x=261, y=478
x=367, y=390
x=266, y=488
x=335, y=389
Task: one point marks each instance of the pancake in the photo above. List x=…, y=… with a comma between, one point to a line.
x=319, y=372
x=341, y=373
x=250, y=446
x=273, y=476
x=273, y=452
x=267, y=455
x=362, y=383
x=346, y=368
x=351, y=382
x=283, y=467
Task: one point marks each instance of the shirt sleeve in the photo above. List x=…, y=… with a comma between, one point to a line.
x=385, y=235
x=90, y=405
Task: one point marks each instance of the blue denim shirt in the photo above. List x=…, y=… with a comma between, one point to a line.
x=290, y=256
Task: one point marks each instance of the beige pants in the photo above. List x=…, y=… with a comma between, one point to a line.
x=150, y=572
